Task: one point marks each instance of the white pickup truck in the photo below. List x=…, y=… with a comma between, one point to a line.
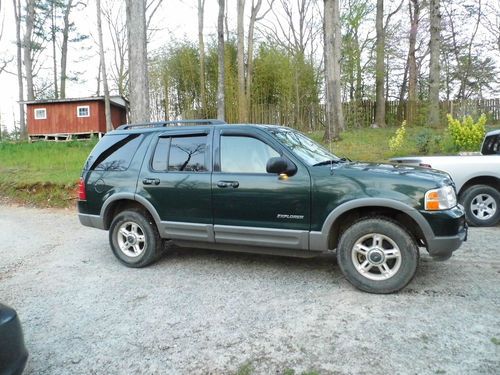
x=476, y=177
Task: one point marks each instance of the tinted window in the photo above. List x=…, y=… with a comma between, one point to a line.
x=187, y=154
x=160, y=157
x=491, y=145
x=244, y=155
x=113, y=152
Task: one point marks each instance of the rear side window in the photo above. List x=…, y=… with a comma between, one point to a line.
x=180, y=154
x=113, y=152
x=491, y=145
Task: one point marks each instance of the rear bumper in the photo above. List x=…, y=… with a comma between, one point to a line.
x=93, y=221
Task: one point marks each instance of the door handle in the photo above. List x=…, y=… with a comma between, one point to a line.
x=151, y=181
x=225, y=184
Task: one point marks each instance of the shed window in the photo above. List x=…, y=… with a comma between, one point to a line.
x=83, y=111
x=40, y=113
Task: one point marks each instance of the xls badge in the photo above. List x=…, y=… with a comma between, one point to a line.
x=286, y=216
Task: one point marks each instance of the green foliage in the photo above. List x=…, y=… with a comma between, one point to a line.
x=286, y=85
x=467, y=135
x=396, y=142
x=426, y=142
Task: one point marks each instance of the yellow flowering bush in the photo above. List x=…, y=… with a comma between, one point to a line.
x=397, y=140
x=467, y=135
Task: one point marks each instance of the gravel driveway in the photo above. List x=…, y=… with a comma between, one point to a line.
x=204, y=312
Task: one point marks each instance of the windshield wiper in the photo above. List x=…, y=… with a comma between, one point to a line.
x=331, y=161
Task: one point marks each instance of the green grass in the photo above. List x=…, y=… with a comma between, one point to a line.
x=42, y=173
x=372, y=144
x=58, y=163
x=46, y=173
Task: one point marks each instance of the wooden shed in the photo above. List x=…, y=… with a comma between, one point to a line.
x=77, y=118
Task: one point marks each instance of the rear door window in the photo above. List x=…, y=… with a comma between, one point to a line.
x=113, y=152
x=180, y=154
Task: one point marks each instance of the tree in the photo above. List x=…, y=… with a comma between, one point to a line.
x=20, y=83
x=434, y=79
x=201, y=46
x=414, y=9
x=102, y=64
x=254, y=17
x=221, y=50
x=380, y=68
x=138, y=62
x=64, y=46
x=117, y=28
x=28, y=48
x=333, y=39
x=242, y=103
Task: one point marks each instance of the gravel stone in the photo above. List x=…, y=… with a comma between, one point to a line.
x=207, y=312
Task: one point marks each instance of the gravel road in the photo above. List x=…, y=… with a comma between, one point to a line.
x=204, y=312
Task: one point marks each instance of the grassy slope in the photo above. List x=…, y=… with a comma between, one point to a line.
x=43, y=174
x=46, y=173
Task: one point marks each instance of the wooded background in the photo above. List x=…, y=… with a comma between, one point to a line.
x=310, y=64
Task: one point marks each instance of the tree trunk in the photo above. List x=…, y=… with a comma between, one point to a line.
x=201, y=45
x=27, y=45
x=242, y=104
x=380, y=68
x=402, y=92
x=412, y=62
x=434, y=80
x=102, y=63
x=220, y=61
x=20, y=85
x=54, y=49
x=251, y=27
x=333, y=40
x=64, y=46
x=138, y=61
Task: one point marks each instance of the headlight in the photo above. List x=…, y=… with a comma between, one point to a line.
x=440, y=199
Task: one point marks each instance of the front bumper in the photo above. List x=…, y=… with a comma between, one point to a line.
x=449, y=232
x=441, y=248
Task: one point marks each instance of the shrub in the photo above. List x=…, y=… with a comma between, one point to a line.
x=428, y=142
x=466, y=135
x=397, y=140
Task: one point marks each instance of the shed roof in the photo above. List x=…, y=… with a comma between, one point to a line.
x=115, y=100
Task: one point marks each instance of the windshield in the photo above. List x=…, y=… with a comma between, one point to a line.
x=304, y=147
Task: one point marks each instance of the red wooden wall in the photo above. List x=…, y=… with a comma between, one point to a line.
x=62, y=118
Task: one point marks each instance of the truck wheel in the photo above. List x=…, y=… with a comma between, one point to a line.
x=482, y=205
x=134, y=239
x=377, y=256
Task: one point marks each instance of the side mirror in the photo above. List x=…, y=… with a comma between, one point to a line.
x=281, y=165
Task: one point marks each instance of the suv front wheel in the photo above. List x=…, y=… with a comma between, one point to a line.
x=134, y=239
x=377, y=255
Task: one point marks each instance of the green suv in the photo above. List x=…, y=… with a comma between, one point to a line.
x=265, y=189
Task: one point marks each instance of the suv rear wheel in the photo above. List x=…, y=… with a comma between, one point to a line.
x=134, y=239
x=377, y=255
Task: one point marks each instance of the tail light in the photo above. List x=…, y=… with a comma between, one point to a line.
x=82, y=193
x=424, y=165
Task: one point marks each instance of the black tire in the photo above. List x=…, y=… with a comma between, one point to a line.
x=477, y=194
x=148, y=244
x=379, y=235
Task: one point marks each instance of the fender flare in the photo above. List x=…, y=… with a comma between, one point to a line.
x=131, y=197
x=318, y=240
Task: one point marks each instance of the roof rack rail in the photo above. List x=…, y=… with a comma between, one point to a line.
x=160, y=124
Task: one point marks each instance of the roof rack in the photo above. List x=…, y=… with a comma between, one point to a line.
x=160, y=124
